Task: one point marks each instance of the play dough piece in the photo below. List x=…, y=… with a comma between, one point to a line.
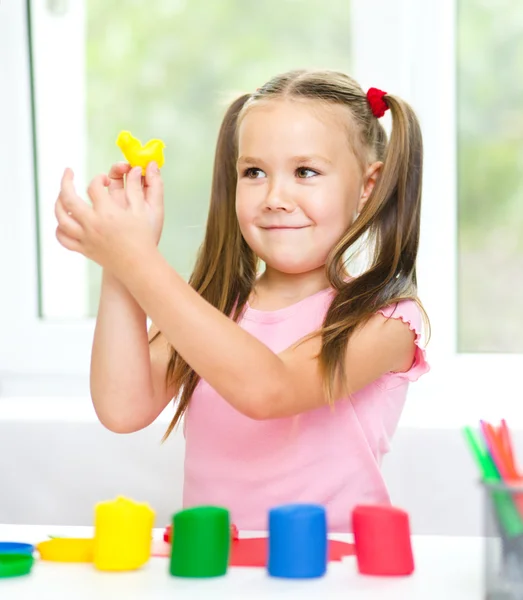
x=252, y=552
x=139, y=155
x=123, y=534
x=382, y=540
x=297, y=541
x=201, y=542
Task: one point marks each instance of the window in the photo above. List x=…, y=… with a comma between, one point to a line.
x=165, y=72
x=165, y=68
x=456, y=57
x=434, y=54
x=490, y=185
x=168, y=70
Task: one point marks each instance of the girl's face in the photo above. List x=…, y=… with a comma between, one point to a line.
x=299, y=183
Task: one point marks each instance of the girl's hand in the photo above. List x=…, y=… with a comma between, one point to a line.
x=113, y=235
x=117, y=174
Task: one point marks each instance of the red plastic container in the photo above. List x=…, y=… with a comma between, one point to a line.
x=382, y=540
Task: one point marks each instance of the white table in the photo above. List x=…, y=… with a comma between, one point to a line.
x=447, y=568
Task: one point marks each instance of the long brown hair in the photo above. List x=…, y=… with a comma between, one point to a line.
x=225, y=269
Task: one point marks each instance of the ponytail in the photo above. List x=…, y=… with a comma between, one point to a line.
x=391, y=219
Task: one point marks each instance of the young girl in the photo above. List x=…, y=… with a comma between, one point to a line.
x=290, y=382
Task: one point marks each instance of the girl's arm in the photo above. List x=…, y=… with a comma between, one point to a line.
x=127, y=375
x=252, y=378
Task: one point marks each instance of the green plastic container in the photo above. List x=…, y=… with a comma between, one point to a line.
x=201, y=542
x=15, y=565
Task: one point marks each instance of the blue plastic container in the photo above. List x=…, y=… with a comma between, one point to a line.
x=16, y=548
x=297, y=541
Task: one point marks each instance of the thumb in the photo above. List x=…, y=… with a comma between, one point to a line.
x=153, y=185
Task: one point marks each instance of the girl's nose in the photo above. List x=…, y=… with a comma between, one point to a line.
x=279, y=200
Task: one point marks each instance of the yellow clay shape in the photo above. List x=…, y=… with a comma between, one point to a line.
x=138, y=155
x=122, y=534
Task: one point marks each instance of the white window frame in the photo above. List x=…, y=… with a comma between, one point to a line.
x=405, y=47
x=40, y=356
x=60, y=91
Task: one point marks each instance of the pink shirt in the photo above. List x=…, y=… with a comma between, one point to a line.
x=329, y=456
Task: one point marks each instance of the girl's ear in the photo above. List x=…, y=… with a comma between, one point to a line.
x=371, y=176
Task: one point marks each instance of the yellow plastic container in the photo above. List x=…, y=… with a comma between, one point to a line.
x=67, y=550
x=122, y=534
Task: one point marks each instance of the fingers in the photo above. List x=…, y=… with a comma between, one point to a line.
x=153, y=186
x=117, y=174
x=135, y=195
x=66, y=223
x=70, y=200
x=66, y=241
x=97, y=190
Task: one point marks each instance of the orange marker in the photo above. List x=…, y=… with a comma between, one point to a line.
x=499, y=455
x=504, y=435
x=503, y=462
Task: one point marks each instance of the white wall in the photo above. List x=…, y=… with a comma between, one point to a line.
x=53, y=471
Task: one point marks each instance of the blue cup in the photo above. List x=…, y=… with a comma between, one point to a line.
x=297, y=541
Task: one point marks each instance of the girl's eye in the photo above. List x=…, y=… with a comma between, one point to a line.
x=301, y=172
x=253, y=173
x=305, y=172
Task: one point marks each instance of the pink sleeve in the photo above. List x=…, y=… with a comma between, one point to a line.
x=409, y=312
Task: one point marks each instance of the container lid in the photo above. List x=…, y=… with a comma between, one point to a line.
x=16, y=547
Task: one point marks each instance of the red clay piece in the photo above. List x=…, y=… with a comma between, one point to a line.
x=382, y=540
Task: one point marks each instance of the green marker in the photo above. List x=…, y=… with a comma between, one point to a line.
x=507, y=512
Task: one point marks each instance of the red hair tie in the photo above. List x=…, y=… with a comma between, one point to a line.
x=376, y=101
